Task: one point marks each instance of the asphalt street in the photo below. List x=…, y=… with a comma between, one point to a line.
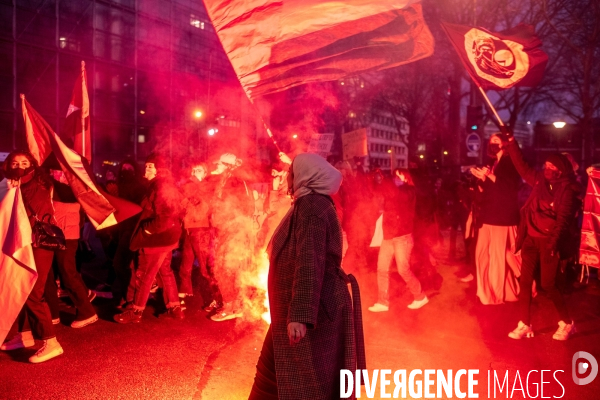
x=200, y=359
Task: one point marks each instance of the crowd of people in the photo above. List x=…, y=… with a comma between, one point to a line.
x=218, y=220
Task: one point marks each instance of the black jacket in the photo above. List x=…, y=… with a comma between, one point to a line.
x=159, y=224
x=398, y=209
x=500, y=199
x=550, y=212
x=36, y=189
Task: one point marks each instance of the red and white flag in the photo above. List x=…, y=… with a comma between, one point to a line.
x=274, y=45
x=77, y=124
x=589, y=248
x=102, y=209
x=499, y=60
x=18, y=273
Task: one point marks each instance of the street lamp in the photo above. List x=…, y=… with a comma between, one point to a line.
x=198, y=114
x=559, y=124
x=294, y=136
x=445, y=153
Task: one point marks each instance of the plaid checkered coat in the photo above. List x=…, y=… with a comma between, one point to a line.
x=307, y=285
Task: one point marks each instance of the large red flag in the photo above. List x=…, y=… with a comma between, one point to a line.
x=18, y=272
x=77, y=124
x=274, y=45
x=499, y=60
x=102, y=209
x=589, y=249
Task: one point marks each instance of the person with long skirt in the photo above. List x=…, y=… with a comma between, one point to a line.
x=498, y=267
x=316, y=327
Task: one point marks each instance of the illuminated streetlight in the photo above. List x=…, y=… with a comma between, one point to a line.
x=294, y=136
x=198, y=114
x=142, y=112
x=445, y=153
x=559, y=124
x=421, y=156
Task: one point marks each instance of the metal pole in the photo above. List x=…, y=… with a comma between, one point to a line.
x=57, y=66
x=171, y=90
x=83, y=90
x=135, y=84
x=14, y=71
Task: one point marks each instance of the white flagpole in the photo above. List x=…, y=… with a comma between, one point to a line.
x=489, y=103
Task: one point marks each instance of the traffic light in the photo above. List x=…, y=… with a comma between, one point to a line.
x=474, y=118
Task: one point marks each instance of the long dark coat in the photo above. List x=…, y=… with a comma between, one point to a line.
x=307, y=285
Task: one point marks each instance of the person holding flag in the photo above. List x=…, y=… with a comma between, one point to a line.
x=547, y=236
x=34, y=320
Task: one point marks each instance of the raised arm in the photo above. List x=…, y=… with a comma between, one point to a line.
x=525, y=170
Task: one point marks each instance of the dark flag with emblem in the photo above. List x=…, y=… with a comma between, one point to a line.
x=102, y=209
x=275, y=45
x=499, y=60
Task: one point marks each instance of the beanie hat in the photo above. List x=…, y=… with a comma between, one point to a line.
x=561, y=162
x=157, y=160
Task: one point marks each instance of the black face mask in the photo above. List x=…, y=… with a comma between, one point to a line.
x=493, y=149
x=551, y=175
x=18, y=173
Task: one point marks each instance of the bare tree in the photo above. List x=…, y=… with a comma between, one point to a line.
x=574, y=85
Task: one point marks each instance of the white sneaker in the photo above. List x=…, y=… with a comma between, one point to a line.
x=378, y=307
x=19, y=341
x=226, y=313
x=48, y=351
x=416, y=304
x=85, y=322
x=564, y=331
x=467, y=278
x=521, y=331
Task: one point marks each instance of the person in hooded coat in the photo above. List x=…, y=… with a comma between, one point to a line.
x=547, y=235
x=316, y=327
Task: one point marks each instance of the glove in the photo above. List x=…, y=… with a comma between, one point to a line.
x=506, y=134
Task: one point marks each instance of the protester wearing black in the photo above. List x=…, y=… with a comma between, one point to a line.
x=547, y=235
x=69, y=218
x=22, y=169
x=130, y=187
x=155, y=236
x=498, y=267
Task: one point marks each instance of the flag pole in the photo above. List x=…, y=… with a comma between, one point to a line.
x=82, y=116
x=489, y=103
x=264, y=123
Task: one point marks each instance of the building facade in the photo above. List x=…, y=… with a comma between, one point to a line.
x=386, y=142
x=151, y=66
